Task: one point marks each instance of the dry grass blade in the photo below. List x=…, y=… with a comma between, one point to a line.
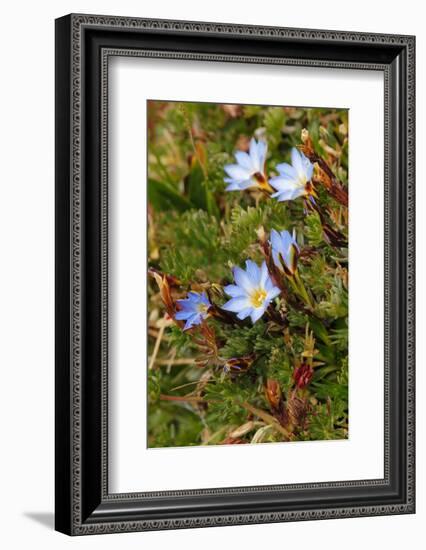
x=269, y=419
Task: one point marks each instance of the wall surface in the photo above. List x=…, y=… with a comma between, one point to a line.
x=26, y=289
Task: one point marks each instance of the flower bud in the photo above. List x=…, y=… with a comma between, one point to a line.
x=273, y=393
x=237, y=365
x=276, y=401
x=303, y=375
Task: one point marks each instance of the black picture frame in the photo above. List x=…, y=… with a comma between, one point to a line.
x=83, y=46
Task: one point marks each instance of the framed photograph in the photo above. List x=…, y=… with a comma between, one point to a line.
x=234, y=274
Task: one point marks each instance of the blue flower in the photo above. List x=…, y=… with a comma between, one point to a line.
x=194, y=309
x=252, y=293
x=295, y=179
x=250, y=168
x=285, y=251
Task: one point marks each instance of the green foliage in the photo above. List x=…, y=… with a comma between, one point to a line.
x=242, y=340
x=204, y=384
x=180, y=340
x=198, y=235
x=164, y=196
x=244, y=224
x=274, y=119
x=313, y=230
x=336, y=304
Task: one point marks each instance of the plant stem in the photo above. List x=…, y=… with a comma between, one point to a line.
x=269, y=419
x=157, y=346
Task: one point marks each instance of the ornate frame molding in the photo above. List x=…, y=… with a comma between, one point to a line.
x=73, y=48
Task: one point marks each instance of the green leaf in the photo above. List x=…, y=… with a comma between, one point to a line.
x=274, y=121
x=198, y=191
x=319, y=331
x=162, y=196
x=195, y=187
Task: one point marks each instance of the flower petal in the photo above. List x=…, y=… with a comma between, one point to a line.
x=283, y=183
x=262, y=149
x=244, y=313
x=300, y=192
x=184, y=314
x=297, y=162
x=239, y=185
x=254, y=155
x=287, y=170
x=263, y=275
x=273, y=293
x=276, y=258
x=204, y=298
x=233, y=185
x=253, y=272
x=237, y=304
x=309, y=167
x=244, y=160
x=276, y=241
x=269, y=285
x=234, y=291
x=288, y=195
x=248, y=183
x=193, y=320
x=185, y=305
x=242, y=279
x=237, y=172
x=257, y=313
x=286, y=240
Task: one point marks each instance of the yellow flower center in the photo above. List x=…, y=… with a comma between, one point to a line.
x=262, y=181
x=309, y=189
x=202, y=308
x=258, y=296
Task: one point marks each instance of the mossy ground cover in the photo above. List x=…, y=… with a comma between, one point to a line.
x=235, y=355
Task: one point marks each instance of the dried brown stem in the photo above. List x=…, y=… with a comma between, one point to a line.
x=269, y=419
x=175, y=362
x=186, y=398
x=326, y=176
x=156, y=346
